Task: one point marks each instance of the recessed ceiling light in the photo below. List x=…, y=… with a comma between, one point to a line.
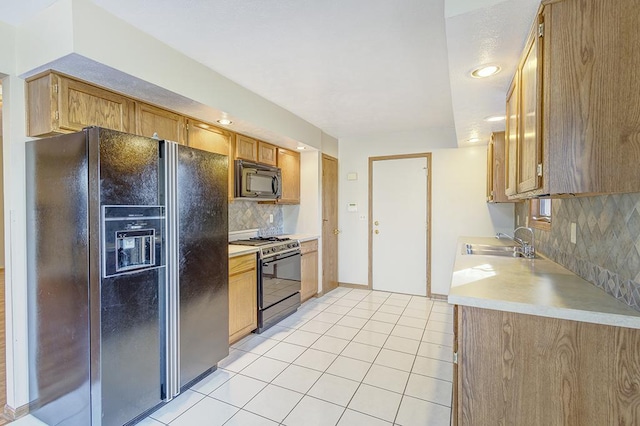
x=495, y=118
x=301, y=148
x=474, y=140
x=485, y=71
x=225, y=121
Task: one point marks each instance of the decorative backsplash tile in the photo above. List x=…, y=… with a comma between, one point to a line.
x=250, y=215
x=607, y=249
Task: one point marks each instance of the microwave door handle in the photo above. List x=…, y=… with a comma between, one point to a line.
x=275, y=184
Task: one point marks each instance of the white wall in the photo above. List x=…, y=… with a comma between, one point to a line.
x=458, y=199
x=80, y=38
x=329, y=145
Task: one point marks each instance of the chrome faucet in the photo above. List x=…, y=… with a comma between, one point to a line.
x=527, y=248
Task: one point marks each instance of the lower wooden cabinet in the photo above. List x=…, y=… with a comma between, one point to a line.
x=516, y=369
x=243, y=296
x=309, y=269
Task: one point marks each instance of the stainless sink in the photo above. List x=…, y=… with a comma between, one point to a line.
x=489, y=250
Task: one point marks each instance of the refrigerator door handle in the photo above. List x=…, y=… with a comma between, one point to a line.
x=172, y=287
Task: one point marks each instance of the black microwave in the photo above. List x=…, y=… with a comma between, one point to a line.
x=257, y=181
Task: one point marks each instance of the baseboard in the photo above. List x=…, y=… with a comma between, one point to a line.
x=351, y=285
x=439, y=297
x=12, y=414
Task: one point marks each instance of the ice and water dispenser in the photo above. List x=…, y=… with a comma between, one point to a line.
x=133, y=238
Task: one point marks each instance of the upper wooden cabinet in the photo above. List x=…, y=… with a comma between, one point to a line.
x=511, y=136
x=167, y=125
x=58, y=104
x=496, y=169
x=578, y=116
x=209, y=138
x=267, y=153
x=246, y=148
x=289, y=163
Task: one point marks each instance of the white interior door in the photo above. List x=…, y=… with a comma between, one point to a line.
x=399, y=231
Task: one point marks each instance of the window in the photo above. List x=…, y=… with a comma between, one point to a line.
x=540, y=213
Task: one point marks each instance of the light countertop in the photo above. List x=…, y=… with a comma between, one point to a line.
x=238, y=250
x=532, y=286
x=302, y=237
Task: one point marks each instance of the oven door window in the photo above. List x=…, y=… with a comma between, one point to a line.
x=280, y=279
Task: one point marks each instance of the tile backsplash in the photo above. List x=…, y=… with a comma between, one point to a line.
x=250, y=215
x=607, y=249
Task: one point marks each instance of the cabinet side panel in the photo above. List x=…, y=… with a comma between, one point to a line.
x=39, y=106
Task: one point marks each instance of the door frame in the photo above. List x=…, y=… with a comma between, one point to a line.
x=325, y=257
x=427, y=156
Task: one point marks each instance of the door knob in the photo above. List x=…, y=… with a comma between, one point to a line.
x=376, y=223
x=377, y=232
x=336, y=231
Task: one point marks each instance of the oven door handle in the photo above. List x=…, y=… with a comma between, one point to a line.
x=297, y=253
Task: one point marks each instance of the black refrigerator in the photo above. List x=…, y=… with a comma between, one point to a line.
x=127, y=274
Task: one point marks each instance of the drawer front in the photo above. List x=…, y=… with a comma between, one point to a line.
x=241, y=264
x=309, y=246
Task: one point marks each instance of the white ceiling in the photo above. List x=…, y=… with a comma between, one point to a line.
x=350, y=67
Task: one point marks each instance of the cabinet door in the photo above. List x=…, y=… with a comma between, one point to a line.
x=496, y=168
x=267, y=153
x=243, y=297
x=246, y=148
x=289, y=163
x=490, y=169
x=309, y=269
x=455, y=407
x=511, y=144
x=78, y=105
x=166, y=124
x=209, y=138
x=529, y=143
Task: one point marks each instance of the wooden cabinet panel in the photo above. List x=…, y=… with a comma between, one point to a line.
x=243, y=296
x=511, y=135
x=166, y=124
x=520, y=369
x=246, y=148
x=58, y=104
x=289, y=163
x=496, y=192
x=576, y=103
x=267, y=153
x=210, y=138
x=529, y=141
x=309, y=269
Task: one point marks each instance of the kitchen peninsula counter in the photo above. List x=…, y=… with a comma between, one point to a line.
x=532, y=286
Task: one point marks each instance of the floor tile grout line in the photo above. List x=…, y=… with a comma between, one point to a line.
x=325, y=371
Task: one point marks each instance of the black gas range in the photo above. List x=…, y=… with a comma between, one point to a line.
x=279, y=278
x=269, y=246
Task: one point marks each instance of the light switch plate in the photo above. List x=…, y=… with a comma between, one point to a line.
x=270, y=218
x=573, y=232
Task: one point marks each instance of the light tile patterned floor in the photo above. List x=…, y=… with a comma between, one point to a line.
x=352, y=357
